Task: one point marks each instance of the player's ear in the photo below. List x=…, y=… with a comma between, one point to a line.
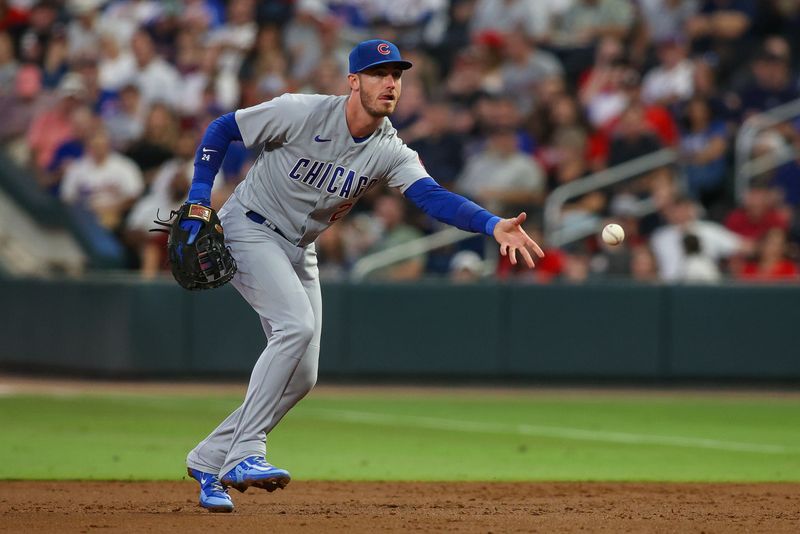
x=354, y=81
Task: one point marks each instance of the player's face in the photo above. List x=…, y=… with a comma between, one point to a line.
x=379, y=89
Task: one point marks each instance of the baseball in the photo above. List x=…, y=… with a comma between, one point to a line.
x=613, y=234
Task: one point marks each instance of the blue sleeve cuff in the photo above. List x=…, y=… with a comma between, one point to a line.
x=490, y=224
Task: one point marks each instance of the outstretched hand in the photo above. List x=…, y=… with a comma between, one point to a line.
x=512, y=239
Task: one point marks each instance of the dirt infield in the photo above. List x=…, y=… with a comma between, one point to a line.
x=401, y=507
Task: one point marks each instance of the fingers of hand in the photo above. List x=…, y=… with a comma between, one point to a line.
x=504, y=249
x=512, y=255
x=527, y=256
x=536, y=248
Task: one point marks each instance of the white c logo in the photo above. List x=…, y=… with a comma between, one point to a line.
x=384, y=49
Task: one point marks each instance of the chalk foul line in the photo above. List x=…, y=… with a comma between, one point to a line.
x=437, y=423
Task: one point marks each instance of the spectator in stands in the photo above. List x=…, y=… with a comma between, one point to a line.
x=632, y=137
x=534, y=19
x=720, y=27
x=157, y=143
x=657, y=117
x=12, y=17
x=715, y=240
x=390, y=214
x=577, y=265
x=83, y=31
x=122, y=18
x=600, y=87
x=116, y=66
x=409, y=111
x=237, y=35
x=466, y=267
x=264, y=74
x=53, y=126
x=666, y=19
x=125, y=119
x=158, y=81
x=103, y=182
x=8, y=63
x=772, y=262
x=42, y=26
x=758, y=214
x=440, y=149
x=703, y=146
x=525, y=66
x=56, y=61
x=456, y=35
x=501, y=177
x=698, y=266
x=772, y=85
x=564, y=114
x=643, y=264
x=583, y=24
x=672, y=79
x=84, y=123
x=19, y=104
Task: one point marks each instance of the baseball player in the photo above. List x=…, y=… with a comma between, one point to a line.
x=319, y=155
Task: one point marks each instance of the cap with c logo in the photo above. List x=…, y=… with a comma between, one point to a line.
x=374, y=52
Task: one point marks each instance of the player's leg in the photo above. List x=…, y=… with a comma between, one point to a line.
x=268, y=281
x=305, y=375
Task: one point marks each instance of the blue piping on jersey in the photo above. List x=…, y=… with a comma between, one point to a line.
x=209, y=156
x=451, y=208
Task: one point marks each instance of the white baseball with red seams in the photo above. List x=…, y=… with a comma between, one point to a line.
x=613, y=234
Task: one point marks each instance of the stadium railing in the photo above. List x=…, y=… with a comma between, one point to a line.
x=555, y=233
x=747, y=167
x=559, y=233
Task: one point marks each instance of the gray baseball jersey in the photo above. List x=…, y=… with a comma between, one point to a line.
x=311, y=171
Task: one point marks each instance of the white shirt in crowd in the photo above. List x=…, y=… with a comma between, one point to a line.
x=665, y=84
x=716, y=242
x=101, y=185
x=159, y=82
x=699, y=268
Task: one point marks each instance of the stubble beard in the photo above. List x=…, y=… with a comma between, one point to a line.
x=375, y=111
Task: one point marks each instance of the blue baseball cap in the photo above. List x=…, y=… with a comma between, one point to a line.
x=367, y=54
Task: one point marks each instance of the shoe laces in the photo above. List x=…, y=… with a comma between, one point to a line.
x=215, y=485
x=260, y=462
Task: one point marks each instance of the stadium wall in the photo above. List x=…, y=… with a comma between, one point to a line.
x=495, y=331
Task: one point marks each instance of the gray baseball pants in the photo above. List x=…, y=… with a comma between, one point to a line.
x=281, y=282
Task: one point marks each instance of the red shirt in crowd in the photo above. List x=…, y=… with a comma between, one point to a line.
x=739, y=221
x=781, y=270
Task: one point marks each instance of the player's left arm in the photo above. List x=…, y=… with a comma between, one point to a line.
x=462, y=213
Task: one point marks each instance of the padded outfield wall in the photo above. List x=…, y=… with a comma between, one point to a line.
x=431, y=329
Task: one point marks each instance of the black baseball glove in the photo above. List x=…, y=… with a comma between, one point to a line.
x=197, y=253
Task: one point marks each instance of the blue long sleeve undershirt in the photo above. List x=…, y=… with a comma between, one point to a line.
x=428, y=195
x=208, y=158
x=451, y=208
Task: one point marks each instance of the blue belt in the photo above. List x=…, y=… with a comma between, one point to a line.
x=260, y=219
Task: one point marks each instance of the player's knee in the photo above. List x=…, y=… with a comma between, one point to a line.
x=306, y=378
x=302, y=329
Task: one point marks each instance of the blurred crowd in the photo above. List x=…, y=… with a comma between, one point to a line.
x=508, y=99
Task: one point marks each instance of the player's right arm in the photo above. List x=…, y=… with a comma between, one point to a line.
x=409, y=175
x=208, y=158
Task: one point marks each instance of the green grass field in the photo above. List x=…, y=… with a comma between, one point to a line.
x=419, y=436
